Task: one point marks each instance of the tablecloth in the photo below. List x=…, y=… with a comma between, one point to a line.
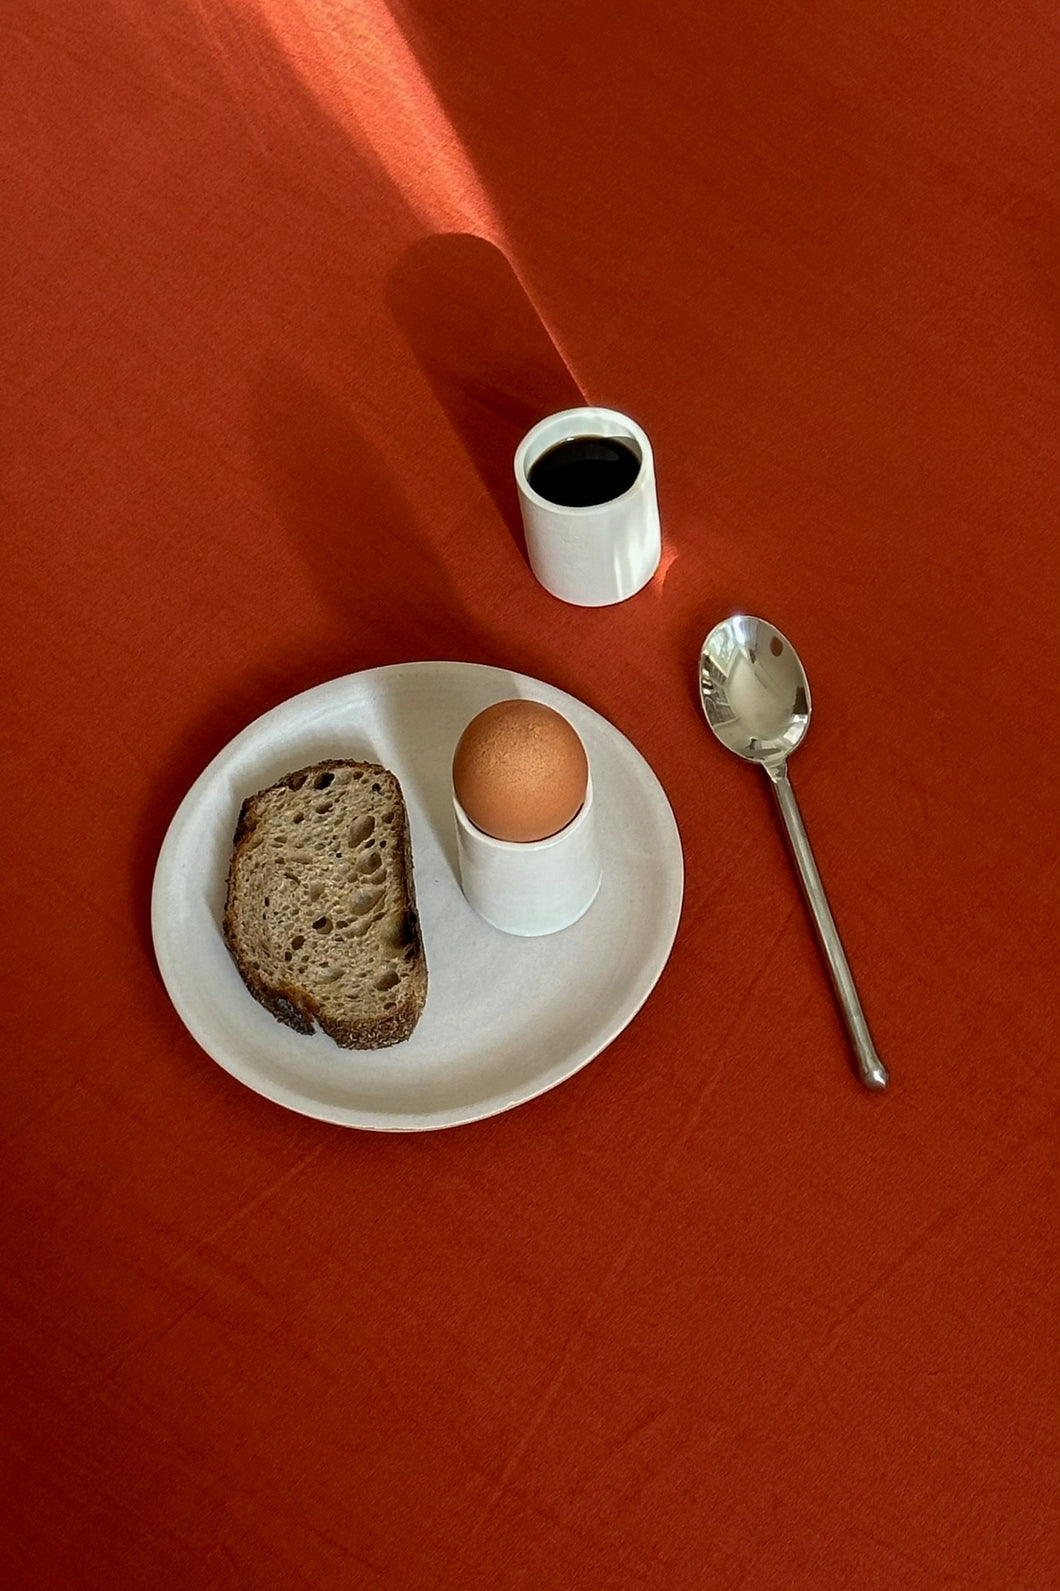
x=284, y=282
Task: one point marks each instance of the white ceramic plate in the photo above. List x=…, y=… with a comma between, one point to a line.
x=506, y=1018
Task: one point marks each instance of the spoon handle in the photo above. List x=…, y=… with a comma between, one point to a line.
x=872, y=1070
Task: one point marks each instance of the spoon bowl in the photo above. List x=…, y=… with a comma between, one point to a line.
x=756, y=699
x=754, y=689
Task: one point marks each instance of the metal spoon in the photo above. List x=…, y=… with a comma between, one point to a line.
x=756, y=697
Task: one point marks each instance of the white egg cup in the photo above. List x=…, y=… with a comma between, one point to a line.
x=530, y=887
x=602, y=553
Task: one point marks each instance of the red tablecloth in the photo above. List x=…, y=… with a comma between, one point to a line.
x=283, y=282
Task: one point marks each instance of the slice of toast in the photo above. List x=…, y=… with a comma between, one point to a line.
x=320, y=914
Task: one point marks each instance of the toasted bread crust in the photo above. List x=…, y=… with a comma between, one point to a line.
x=375, y=994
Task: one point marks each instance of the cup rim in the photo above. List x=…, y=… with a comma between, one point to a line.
x=631, y=432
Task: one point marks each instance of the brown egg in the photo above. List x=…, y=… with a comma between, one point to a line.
x=519, y=771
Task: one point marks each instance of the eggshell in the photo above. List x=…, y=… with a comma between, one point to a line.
x=520, y=771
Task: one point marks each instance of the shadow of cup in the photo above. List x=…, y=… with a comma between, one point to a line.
x=484, y=351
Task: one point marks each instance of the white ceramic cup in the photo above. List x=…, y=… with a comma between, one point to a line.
x=604, y=552
x=532, y=887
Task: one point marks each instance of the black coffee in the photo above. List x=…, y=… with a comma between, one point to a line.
x=584, y=471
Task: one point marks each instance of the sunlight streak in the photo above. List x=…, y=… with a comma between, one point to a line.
x=666, y=563
x=358, y=65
